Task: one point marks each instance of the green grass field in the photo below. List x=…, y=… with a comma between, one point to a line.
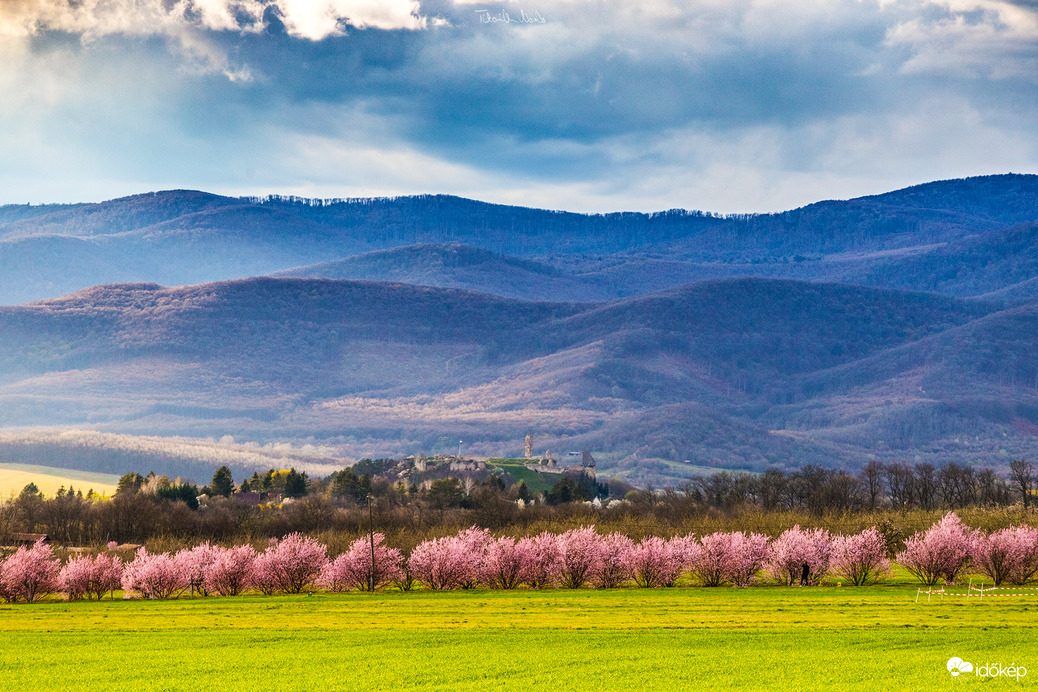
x=763, y=638
x=14, y=477
x=536, y=482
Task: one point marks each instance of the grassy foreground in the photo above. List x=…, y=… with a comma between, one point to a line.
x=765, y=638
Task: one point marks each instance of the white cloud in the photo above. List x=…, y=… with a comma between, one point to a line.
x=973, y=39
x=311, y=19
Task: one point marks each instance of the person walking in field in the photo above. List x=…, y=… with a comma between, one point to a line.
x=804, y=572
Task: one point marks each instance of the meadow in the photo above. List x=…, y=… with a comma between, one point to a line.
x=14, y=477
x=763, y=638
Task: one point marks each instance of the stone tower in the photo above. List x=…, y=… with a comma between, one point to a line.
x=588, y=463
x=529, y=446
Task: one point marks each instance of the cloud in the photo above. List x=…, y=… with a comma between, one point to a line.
x=973, y=39
x=310, y=19
x=729, y=105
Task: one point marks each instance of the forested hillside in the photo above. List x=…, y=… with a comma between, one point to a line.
x=959, y=237
x=740, y=373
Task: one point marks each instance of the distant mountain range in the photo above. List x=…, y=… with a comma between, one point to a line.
x=743, y=373
x=962, y=238
x=895, y=327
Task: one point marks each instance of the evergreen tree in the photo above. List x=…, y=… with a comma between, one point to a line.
x=223, y=483
x=295, y=484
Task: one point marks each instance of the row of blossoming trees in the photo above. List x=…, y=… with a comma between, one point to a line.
x=574, y=559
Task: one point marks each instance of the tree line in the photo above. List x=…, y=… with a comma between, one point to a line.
x=145, y=509
x=475, y=558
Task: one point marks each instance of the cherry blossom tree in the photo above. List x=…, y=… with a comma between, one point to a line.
x=615, y=566
x=580, y=557
x=289, y=565
x=154, y=576
x=475, y=543
x=1009, y=555
x=29, y=573
x=861, y=558
x=683, y=551
x=544, y=554
x=656, y=562
x=796, y=548
x=353, y=569
x=710, y=563
x=74, y=578
x=942, y=551
x=195, y=562
x=445, y=563
x=231, y=572
x=90, y=577
x=729, y=557
x=747, y=555
x=507, y=561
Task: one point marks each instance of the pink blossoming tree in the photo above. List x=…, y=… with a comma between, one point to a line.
x=615, y=566
x=507, y=563
x=289, y=565
x=580, y=557
x=90, y=577
x=154, y=576
x=796, y=548
x=656, y=562
x=710, y=563
x=195, y=562
x=444, y=563
x=747, y=555
x=231, y=572
x=942, y=551
x=862, y=558
x=353, y=569
x=1009, y=555
x=475, y=543
x=29, y=573
x=543, y=555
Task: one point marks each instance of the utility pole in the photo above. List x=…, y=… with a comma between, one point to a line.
x=371, y=538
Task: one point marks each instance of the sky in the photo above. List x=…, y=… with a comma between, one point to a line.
x=586, y=105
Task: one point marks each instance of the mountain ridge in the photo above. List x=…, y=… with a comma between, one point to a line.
x=186, y=237
x=396, y=368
